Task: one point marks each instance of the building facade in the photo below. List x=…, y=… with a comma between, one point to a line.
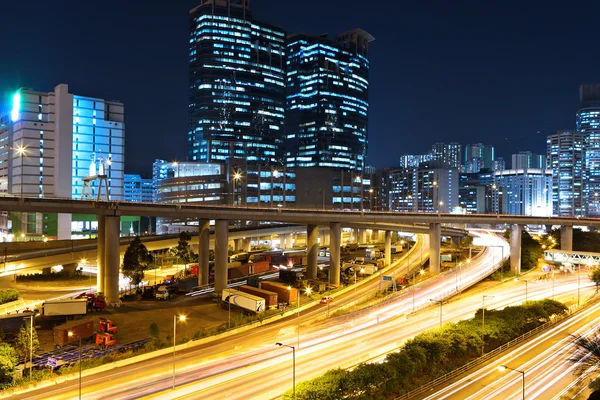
x=588, y=125
x=50, y=142
x=527, y=159
x=327, y=100
x=526, y=191
x=236, y=85
x=138, y=189
x=565, y=156
x=478, y=156
x=448, y=154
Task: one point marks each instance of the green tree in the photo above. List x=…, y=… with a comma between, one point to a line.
x=22, y=343
x=8, y=362
x=136, y=261
x=596, y=277
x=154, y=331
x=183, y=248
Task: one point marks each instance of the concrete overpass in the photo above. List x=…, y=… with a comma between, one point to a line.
x=108, y=213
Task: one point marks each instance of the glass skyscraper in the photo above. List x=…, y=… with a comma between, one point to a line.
x=565, y=155
x=327, y=91
x=237, y=88
x=588, y=124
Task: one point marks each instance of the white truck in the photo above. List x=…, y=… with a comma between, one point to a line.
x=245, y=301
x=64, y=308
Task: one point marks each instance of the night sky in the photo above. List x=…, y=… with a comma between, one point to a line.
x=439, y=71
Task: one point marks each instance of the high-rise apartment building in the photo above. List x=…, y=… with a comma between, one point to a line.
x=327, y=101
x=565, y=156
x=449, y=154
x=413, y=160
x=526, y=191
x=527, y=159
x=588, y=124
x=478, y=156
x=50, y=142
x=236, y=85
x=137, y=189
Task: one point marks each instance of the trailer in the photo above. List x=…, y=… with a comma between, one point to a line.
x=286, y=294
x=245, y=301
x=291, y=276
x=270, y=297
x=64, y=308
x=83, y=330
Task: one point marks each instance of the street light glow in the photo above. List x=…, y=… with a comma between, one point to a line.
x=182, y=317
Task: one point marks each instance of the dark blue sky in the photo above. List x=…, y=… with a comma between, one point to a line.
x=439, y=71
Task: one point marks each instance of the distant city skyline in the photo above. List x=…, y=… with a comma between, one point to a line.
x=459, y=73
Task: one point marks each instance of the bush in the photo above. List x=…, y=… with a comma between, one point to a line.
x=8, y=295
x=154, y=331
x=52, y=277
x=429, y=355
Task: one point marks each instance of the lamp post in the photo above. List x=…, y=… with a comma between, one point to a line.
x=483, y=322
x=21, y=151
x=273, y=173
x=175, y=319
x=71, y=334
x=31, y=317
x=503, y=367
x=440, y=302
x=237, y=176
x=293, y=365
x=501, y=268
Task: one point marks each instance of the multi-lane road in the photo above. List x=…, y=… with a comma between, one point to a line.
x=250, y=366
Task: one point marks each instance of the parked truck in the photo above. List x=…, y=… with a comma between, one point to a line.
x=83, y=330
x=186, y=285
x=245, y=301
x=11, y=324
x=285, y=293
x=291, y=276
x=56, y=311
x=270, y=297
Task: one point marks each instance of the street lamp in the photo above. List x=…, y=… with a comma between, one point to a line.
x=504, y=367
x=440, y=302
x=31, y=317
x=21, y=151
x=237, y=176
x=71, y=334
x=483, y=322
x=293, y=364
x=175, y=319
x=501, y=260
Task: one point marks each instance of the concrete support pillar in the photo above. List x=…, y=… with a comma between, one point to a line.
x=203, y=250
x=380, y=236
x=237, y=244
x=221, y=235
x=247, y=244
x=455, y=241
x=566, y=238
x=100, y=254
x=515, y=249
x=388, y=248
x=111, y=259
x=362, y=236
x=312, y=247
x=46, y=271
x=325, y=236
x=435, y=235
x=335, y=234
x=284, y=242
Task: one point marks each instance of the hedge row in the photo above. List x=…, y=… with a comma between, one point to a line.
x=428, y=355
x=8, y=295
x=51, y=277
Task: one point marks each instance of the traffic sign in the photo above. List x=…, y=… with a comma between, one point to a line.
x=387, y=277
x=52, y=362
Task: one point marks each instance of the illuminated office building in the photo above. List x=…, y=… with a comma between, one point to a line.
x=65, y=138
x=478, y=156
x=236, y=85
x=327, y=91
x=565, y=155
x=525, y=191
x=588, y=124
x=447, y=154
x=137, y=189
x=527, y=159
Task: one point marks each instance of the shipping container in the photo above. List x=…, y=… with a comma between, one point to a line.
x=52, y=308
x=285, y=293
x=80, y=329
x=270, y=297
